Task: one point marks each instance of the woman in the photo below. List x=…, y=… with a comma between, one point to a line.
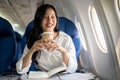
x=61, y=48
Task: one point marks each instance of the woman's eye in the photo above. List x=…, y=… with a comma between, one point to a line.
x=45, y=16
x=53, y=17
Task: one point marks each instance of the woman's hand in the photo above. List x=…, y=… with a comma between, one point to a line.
x=38, y=45
x=53, y=45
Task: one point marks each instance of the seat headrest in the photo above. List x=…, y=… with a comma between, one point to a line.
x=5, y=28
x=67, y=26
x=29, y=26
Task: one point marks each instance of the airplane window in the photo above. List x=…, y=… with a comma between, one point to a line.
x=81, y=34
x=119, y=5
x=97, y=30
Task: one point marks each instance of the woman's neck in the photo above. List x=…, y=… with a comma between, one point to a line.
x=55, y=35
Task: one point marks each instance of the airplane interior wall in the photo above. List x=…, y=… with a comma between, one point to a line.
x=112, y=18
x=114, y=31
x=104, y=68
x=82, y=9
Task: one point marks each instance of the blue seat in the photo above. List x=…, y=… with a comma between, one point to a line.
x=7, y=45
x=19, y=48
x=18, y=52
x=69, y=27
x=66, y=26
x=24, y=38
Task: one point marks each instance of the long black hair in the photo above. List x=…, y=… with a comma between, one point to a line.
x=37, y=30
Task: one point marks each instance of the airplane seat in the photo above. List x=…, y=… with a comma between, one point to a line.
x=7, y=45
x=18, y=52
x=24, y=38
x=66, y=26
x=19, y=48
x=69, y=27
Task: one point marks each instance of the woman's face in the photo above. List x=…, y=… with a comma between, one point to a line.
x=49, y=20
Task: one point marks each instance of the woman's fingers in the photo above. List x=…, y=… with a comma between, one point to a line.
x=51, y=45
x=38, y=45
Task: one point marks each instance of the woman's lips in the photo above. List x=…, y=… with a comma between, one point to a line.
x=49, y=25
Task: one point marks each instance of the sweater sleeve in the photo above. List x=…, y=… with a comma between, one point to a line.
x=70, y=48
x=19, y=63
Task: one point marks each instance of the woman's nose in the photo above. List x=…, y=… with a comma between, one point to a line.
x=49, y=19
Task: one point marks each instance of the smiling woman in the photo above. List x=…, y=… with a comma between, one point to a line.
x=61, y=47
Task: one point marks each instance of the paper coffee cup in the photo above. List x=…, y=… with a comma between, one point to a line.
x=47, y=36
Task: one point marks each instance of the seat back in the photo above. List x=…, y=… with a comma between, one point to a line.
x=69, y=27
x=7, y=45
x=64, y=25
x=18, y=52
x=18, y=49
x=24, y=38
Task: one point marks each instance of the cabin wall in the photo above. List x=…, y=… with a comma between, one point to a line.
x=107, y=68
x=112, y=29
x=112, y=18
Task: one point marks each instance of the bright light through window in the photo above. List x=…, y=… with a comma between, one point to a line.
x=82, y=38
x=119, y=4
x=97, y=30
x=117, y=7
